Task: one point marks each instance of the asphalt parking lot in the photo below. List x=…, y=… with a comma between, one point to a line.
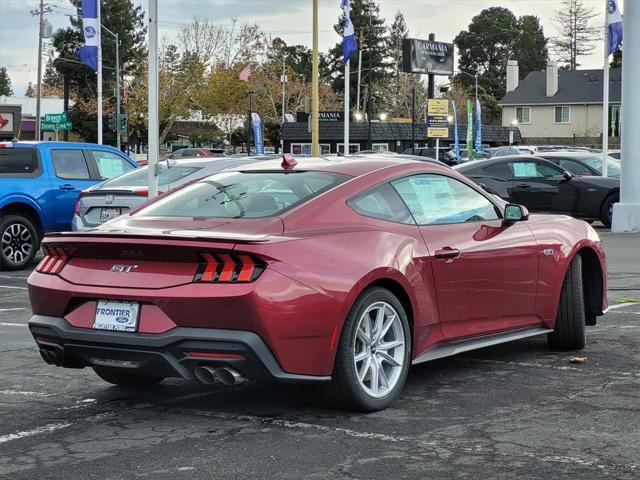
x=512, y=411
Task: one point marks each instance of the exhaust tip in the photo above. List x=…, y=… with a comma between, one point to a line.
x=228, y=376
x=52, y=357
x=45, y=356
x=206, y=375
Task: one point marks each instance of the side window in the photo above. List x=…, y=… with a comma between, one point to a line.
x=534, y=169
x=382, y=203
x=575, y=167
x=110, y=165
x=18, y=162
x=441, y=200
x=70, y=164
x=500, y=170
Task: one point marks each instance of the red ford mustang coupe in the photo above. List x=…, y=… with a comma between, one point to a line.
x=343, y=272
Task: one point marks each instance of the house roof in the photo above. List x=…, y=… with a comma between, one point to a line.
x=574, y=86
x=387, y=132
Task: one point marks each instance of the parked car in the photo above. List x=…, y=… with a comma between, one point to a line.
x=542, y=186
x=505, y=151
x=342, y=272
x=190, y=153
x=122, y=194
x=615, y=154
x=39, y=185
x=583, y=163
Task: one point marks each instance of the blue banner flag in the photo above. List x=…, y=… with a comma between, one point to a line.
x=349, y=44
x=456, y=132
x=614, y=20
x=258, y=137
x=88, y=54
x=478, y=146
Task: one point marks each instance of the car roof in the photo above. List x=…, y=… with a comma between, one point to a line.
x=490, y=161
x=578, y=155
x=350, y=165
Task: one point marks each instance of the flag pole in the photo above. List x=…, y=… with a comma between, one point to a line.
x=347, y=93
x=605, y=96
x=99, y=28
x=315, y=100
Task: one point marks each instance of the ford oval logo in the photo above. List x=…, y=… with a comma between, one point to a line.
x=90, y=31
x=122, y=319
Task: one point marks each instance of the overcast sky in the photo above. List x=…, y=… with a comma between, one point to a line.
x=289, y=19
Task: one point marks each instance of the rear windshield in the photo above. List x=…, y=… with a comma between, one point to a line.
x=139, y=177
x=18, y=162
x=245, y=194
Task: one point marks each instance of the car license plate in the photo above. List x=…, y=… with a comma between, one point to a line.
x=117, y=315
x=109, y=214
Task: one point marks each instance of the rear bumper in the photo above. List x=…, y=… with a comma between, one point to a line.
x=169, y=354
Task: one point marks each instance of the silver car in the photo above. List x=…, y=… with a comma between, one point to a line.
x=117, y=196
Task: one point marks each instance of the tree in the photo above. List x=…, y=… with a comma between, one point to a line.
x=495, y=36
x=123, y=18
x=31, y=91
x=5, y=83
x=371, y=32
x=396, y=93
x=577, y=36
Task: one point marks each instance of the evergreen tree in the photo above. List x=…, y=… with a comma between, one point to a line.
x=31, y=91
x=397, y=91
x=5, y=83
x=577, y=35
x=371, y=33
x=495, y=36
x=51, y=76
x=123, y=18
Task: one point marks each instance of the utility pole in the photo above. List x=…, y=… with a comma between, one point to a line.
x=98, y=20
x=315, y=88
x=40, y=13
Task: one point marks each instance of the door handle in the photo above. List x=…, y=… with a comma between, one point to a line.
x=523, y=185
x=67, y=186
x=447, y=253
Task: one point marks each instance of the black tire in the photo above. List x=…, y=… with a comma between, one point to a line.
x=345, y=390
x=124, y=379
x=569, y=332
x=19, y=242
x=606, y=211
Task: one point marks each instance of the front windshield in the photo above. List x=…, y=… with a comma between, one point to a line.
x=595, y=162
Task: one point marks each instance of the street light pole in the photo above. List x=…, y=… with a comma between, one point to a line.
x=284, y=98
x=39, y=83
x=154, y=118
x=315, y=87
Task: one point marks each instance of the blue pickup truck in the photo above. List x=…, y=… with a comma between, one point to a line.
x=39, y=186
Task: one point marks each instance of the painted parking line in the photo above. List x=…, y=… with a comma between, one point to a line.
x=26, y=394
x=12, y=287
x=51, y=427
x=622, y=305
x=12, y=309
x=564, y=368
x=9, y=324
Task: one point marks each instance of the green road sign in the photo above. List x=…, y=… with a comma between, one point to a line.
x=55, y=118
x=49, y=126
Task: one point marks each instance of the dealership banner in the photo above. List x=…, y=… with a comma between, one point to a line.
x=258, y=136
x=469, y=129
x=427, y=57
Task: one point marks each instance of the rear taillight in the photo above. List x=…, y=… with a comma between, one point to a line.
x=142, y=191
x=54, y=259
x=77, y=210
x=228, y=268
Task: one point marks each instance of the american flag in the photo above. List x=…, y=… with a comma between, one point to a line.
x=245, y=73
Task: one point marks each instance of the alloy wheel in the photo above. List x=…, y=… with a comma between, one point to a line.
x=379, y=349
x=17, y=243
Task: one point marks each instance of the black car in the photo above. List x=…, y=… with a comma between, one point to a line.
x=583, y=163
x=542, y=186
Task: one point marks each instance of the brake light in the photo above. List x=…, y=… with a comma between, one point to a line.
x=6, y=144
x=143, y=192
x=228, y=268
x=54, y=260
x=82, y=194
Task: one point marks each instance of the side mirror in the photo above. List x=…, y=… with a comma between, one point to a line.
x=567, y=175
x=515, y=213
